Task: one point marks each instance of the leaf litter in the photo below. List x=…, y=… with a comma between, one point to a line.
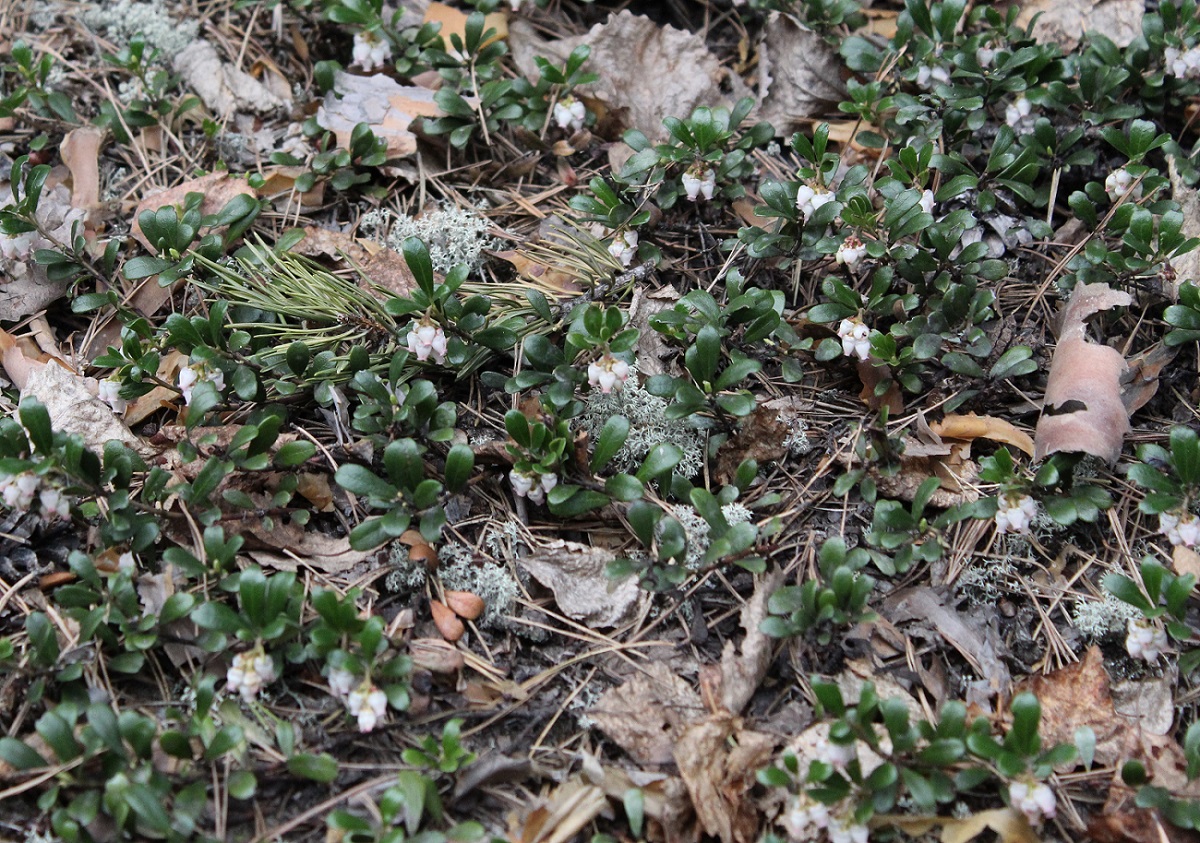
x=679, y=711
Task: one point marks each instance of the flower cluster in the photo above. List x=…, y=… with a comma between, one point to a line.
x=1180, y=528
x=427, y=339
x=569, y=114
x=624, y=246
x=698, y=181
x=856, y=338
x=928, y=76
x=1182, y=65
x=1017, y=114
x=371, y=50
x=189, y=376
x=1016, y=514
x=805, y=818
x=249, y=673
x=607, y=373
x=1033, y=799
x=533, y=485
x=850, y=252
x=1118, y=184
x=809, y=199
x=1145, y=639
x=18, y=492
x=368, y=704
x=109, y=391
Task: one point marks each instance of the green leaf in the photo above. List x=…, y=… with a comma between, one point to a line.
x=144, y=266
x=242, y=784
x=361, y=481
x=661, y=459
x=624, y=487
x=19, y=754
x=610, y=440
x=36, y=420
x=416, y=255
x=295, y=453
x=460, y=462
x=568, y=501
x=319, y=768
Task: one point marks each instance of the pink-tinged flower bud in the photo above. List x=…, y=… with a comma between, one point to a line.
x=1033, y=799
x=109, y=391
x=1016, y=514
x=368, y=704
x=698, y=181
x=809, y=199
x=570, y=114
x=427, y=339
x=856, y=338
x=1145, y=639
x=371, y=50
x=608, y=373
x=850, y=252
x=249, y=673
x=624, y=247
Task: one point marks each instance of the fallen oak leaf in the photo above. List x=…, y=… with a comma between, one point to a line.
x=383, y=104
x=577, y=575
x=1083, y=409
x=972, y=426
x=1008, y=824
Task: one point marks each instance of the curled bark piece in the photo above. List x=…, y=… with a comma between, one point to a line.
x=1083, y=410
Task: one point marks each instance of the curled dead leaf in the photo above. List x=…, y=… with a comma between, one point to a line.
x=1083, y=408
x=446, y=621
x=972, y=426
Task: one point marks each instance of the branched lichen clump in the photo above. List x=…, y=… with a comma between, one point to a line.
x=459, y=570
x=648, y=427
x=122, y=20
x=452, y=235
x=1098, y=618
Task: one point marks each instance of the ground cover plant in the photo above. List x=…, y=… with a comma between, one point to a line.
x=552, y=420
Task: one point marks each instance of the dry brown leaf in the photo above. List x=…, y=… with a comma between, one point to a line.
x=628, y=50
x=73, y=408
x=1064, y=22
x=222, y=87
x=328, y=243
x=971, y=427
x=665, y=798
x=554, y=278
x=80, y=151
x=576, y=574
x=382, y=103
x=975, y=642
x=387, y=269
x=717, y=760
x=454, y=22
x=643, y=715
x=558, y=817
x=759, y=438
x=1140, y=382
x=1008, y=824
x=741, y=672
x=652, y=348
x=436, y=656
x=1083, y=410
x=279, y=183
x=159, y=397
x=286, y=547
x=1186, y=560
x=801, y=74
x=872, y=374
